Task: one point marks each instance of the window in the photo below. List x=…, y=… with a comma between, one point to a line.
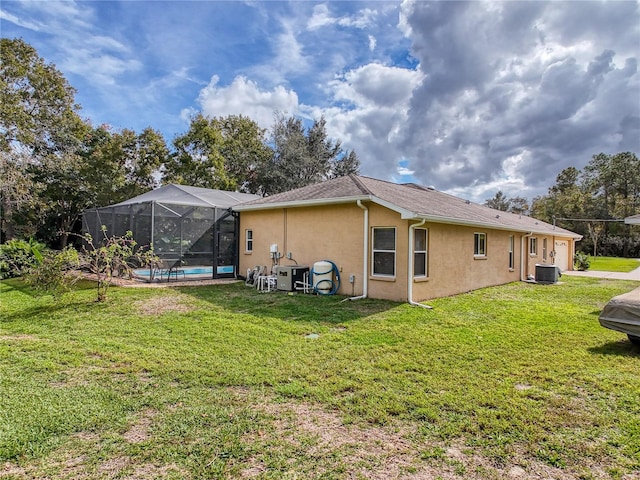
x=544, y=249
x=480, y=245
x=248, y=246
x=384, y=251
x=511, y=259
x=533, y=246
x=420, y=237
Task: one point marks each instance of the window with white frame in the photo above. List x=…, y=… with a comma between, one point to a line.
x=248, y=245
x=511, y=256
x=420, y=239
x=384, y=251
x=479, y=244
x=533, y=246
x=544, y=249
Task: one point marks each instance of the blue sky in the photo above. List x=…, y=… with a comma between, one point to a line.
x=467, y=97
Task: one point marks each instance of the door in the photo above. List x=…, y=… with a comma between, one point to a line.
x=561, y=257
x=225, y=248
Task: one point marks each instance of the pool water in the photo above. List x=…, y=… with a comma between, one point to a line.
x=141, y=272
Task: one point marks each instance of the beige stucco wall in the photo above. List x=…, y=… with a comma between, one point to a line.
x=310, y=234
x=453, y=268
x=549, y=258
x=335, y=232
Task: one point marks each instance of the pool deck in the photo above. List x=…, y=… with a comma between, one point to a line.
x=136, y=283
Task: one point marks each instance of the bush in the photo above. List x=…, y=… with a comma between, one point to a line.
x=18, y=256
x=114, y=256
x=581, y=261
x=52, y=275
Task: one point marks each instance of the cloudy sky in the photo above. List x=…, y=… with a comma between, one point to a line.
x=467, y=97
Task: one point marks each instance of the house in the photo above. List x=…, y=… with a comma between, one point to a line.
x=398, y=242
x=186, y=226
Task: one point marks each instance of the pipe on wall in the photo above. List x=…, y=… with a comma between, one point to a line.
x=365, y=257
x=410, y=266
x=523, y=255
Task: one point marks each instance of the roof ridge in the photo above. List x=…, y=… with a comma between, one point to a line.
x=356, y=180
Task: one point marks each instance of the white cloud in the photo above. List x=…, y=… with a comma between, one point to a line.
x=244, y=97
x=320, y=17
x=99, y=68
x=368, y=114
x=377, y=85
x=405, y=171
x=514, y=92
x=31, y=25
x=372, y=43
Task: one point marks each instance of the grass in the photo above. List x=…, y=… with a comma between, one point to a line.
x=225, y=382
x=613, y=264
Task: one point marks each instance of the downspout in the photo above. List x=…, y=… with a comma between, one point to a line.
x=365, y=257
x=523, y=255
x=410, y=266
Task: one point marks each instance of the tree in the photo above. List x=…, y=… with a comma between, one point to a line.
x=593, y=202
x=39, y=125
x=38, y=109
x=303, y=157
x=224, y=153
x=114, y=256
x=519, y=205
x=144, y=155
x=613, y=182
x=500, y=201
x=197, y=160
x=347, y=165
x=244, y=149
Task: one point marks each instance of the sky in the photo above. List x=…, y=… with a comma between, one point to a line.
x=467, y=97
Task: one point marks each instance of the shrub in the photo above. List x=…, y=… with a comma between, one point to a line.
x=114, y=256
x=52, y=275
x=18, y=256
x=581, y=261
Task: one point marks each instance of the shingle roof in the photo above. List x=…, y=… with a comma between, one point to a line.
x=410, y=200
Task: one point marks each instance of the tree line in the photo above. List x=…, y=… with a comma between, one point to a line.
x=54, y=164
x=592, y=202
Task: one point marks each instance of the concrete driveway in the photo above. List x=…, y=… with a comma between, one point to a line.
x=634, y=275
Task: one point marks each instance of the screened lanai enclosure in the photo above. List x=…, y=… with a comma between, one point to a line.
x=192, y=230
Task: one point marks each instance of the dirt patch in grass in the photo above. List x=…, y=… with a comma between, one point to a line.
x=147, y=472
x=19, y=337
x=385, y=452
x=139, y=431
x=164, y=304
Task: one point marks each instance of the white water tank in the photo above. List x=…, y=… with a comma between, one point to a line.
x=323, y=276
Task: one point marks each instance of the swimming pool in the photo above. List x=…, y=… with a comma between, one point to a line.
x=188, y=273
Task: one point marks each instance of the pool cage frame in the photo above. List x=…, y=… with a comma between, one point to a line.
x=184, y=236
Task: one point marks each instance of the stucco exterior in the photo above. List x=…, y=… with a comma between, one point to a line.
x=336, y=232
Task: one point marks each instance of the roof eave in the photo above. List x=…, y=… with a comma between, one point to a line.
x=316, y=202
x=471, y=223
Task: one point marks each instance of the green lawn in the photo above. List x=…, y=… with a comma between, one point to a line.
x=224, y=382
x=613, y=264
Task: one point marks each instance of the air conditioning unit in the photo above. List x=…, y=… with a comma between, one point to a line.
x=288, y=275
x=547, y=273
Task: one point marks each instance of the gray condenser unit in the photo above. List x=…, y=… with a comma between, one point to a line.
x=547, y=273
x=288, y=275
